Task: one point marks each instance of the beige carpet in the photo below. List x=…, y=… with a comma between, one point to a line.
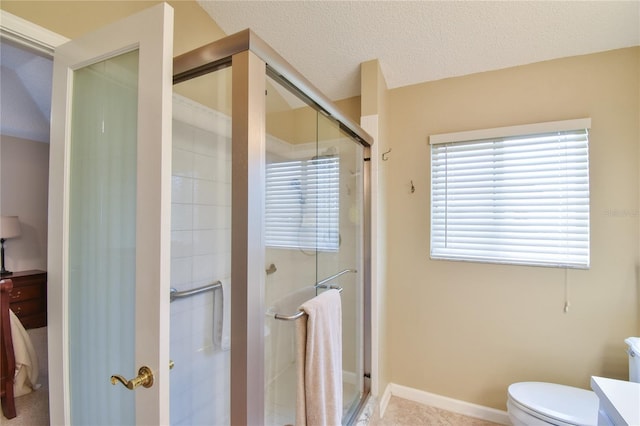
x=33, y=408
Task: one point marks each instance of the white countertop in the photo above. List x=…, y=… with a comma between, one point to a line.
x=619, y=399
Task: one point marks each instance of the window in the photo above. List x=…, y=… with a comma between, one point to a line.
x=303, y=203
x=512, y=195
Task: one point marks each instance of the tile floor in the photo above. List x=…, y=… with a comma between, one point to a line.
x=401, y=412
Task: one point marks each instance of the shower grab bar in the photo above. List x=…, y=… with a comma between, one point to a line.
x=320, y=284
x=301, y=313
x=175, y=294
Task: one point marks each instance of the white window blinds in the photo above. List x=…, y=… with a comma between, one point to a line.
x=521, y=198
x=302, y=204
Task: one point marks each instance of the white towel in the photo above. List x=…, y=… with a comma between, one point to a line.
x=26, y=375
x=319, y=360
x=222, y=316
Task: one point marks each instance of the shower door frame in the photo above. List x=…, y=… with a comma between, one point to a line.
x=252, y=60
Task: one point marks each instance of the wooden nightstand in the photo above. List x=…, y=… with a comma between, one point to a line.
x=28, y=299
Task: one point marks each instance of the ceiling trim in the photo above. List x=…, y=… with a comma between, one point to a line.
x=28, y=34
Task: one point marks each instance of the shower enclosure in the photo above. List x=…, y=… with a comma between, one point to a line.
x=270, y=207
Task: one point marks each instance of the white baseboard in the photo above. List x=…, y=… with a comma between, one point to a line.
x=384, y=401
x=443, y=402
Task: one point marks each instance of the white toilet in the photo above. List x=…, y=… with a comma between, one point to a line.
x=536, y=403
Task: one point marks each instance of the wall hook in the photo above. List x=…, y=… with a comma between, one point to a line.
x=385, y=155
x=413, y=188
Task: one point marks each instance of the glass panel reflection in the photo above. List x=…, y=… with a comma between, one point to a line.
x=201, y=249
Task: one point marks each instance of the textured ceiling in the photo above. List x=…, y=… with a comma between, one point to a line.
x=327, y=40
x=417, y=41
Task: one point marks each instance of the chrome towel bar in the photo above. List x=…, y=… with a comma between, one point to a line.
x=301, y=313
x=175, y=294
x=322, y=284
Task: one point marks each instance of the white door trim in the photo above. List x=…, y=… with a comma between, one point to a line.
x=150, y=31
x=28, y=34
x=44, y=41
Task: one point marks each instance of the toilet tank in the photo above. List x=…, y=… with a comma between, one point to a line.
x=634, y=358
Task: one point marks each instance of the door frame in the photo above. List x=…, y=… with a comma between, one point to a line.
x=150, y=32
x=28, y=34
x=44, y=41
x=34, y=37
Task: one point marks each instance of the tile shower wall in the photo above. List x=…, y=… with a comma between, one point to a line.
x=200, y=254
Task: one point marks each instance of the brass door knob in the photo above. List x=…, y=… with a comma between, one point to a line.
x=144, y=378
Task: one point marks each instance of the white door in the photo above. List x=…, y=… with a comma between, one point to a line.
x=109, y=222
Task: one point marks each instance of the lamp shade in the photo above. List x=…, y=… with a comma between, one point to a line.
x=9, y=227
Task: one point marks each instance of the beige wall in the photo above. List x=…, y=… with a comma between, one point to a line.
x=468, y=330
x=301, y=125
x=24, y=180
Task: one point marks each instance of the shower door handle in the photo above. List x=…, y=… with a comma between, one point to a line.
x=144, y=378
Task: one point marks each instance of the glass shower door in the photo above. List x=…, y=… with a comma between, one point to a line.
x=313, y=238
x=341, y=266
x=290, y=252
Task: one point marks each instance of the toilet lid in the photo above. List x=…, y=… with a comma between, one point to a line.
x=564, y=403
